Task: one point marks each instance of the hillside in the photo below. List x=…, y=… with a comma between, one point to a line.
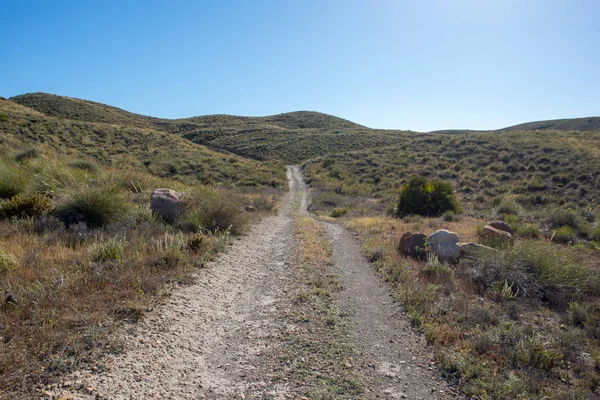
x=504, y=324
x=90, y=111
x=289, y=137
x=133, y=144
x=572, y=124
x=589, y=124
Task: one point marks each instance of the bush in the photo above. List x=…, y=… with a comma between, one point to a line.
x=171, y=249
x=338, y=212
x=213, y=210
x=559, y=217
x=564, y=234
x=199, y=243
x=27, y=154
x=450, y=216
x=428, y=199
x=25, y=206
x=527, y=231
x=532, y=269
x=111, y=250
x=509, y=207
x=8, y=262
x=85, y=165
x=95, y=205
x=13, y=180
x=595, y=234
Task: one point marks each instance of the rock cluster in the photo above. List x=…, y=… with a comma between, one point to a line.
x=446, y=246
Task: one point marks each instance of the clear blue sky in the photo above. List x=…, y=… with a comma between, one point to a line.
x=421, y=65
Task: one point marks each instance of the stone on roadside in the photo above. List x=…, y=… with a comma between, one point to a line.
x=444, y=244
x=167, y=203
x=413, y=245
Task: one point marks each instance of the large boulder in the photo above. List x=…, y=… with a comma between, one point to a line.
x=444, y=244
x=413, y=245
x=503, y=226
x=167, y=203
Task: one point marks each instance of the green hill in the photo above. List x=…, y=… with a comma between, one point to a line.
x=572, y=124
x=133, y=144
x=90, y=111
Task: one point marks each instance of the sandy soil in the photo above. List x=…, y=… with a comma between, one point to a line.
x=215, y=339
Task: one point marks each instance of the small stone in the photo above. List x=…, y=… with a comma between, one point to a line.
x=503, y=226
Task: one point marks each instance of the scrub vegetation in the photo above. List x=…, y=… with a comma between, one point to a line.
x=521, y=321
x=81, y=254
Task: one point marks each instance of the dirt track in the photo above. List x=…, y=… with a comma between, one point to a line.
x=216, y=339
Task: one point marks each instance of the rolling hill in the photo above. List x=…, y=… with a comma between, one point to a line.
x=129, y=142
x=572, y=124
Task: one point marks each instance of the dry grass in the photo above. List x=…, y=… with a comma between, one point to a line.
x=320, y=345
x=521, y=324
x=66, y=285
x=392, y=228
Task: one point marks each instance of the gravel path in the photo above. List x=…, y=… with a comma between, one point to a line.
x=394, y=358
x=209, y=339
x=216, y=339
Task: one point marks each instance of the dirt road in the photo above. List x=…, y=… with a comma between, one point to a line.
x=219, y=338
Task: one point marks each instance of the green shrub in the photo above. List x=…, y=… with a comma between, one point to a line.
x=110, y=250
x=13, y=180
x=96, y=205
x=27, y=154
x=451, y=216
x=559, y=217
x=531, y=351
x=532, y=269
x=25, y=206
x=437, y=271
x=338, y=212
x=213, y=210
x=8, y=262
x=85, y=165
x=509, y=207
x=428, y=199
x=564, y=234
x=527, y=231
x=595, y=234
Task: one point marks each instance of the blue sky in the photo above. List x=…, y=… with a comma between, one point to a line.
x=420, y=65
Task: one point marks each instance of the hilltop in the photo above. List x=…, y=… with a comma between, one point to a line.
x=572, y=124
x=589, y=124
x=90, y=111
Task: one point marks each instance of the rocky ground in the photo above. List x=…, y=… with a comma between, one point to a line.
x=225, y=336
